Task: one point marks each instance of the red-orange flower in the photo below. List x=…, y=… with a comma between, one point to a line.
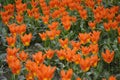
x=45, y=19
x=29, y=76
x=53, y=26
x=94, y=60
x=12, y=52
x=23, y=56
x=21, y=29
x=19, y=18
x=85, y=64
x=13, y=29
x=94, y=48
x=64, y=43
x=112, y=78
x=119, y=40
x=26, y=39
x=108, y=56
x=15, y=66
x=78, y=78
x=51, y=34
x=11, y=41
x=43, y=36
x=92, y=25
x=49, y=53
x=61, y=54
x=95, y=36
x=66, y=75
x=107, y=26
x=39, y=57
x=85, y=50
x=46, y=72
x=70, y=54
x=75, y=44
x=84, y=38
x=83, y=14
x=77, y=58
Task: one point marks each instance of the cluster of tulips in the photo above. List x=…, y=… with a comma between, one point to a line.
x=59, y=18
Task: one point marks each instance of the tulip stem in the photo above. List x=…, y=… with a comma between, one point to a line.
x=13, y=77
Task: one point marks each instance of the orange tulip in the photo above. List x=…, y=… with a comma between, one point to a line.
x=66, y=22
x=13, y=29
x=15, y=67
x=56, y=14
x=66, y=75
x=107, y=56
x=118, y=18
x=12, y=52
x=26, y=39
x=29, y=76
x=11, y=41
x=5, y=19
x=94, y=48
x=92, y=25
x=49, y=53
x=112, y=78
x=107, y=26
x=75, y=44
x=94, y=60
x=114, y=25
x=70, y=54
x=85, y=50
x=118, y=30
x=39, y=57
x=77, y=58
x=83, y=14
x=46, y=72
x=23, y=56
x=21, y=28
x=98, y=17
x=51, y=34
x=78, y=78
x=64, y=43
x=95, y=36
x=90, y=3
x=61, y=54
x=85, y=64
x=84, y=38
x=53, y=26
x=119, y=40
x=36, y=15
x=19, y=18
x=29, y=66
x=43, y=36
